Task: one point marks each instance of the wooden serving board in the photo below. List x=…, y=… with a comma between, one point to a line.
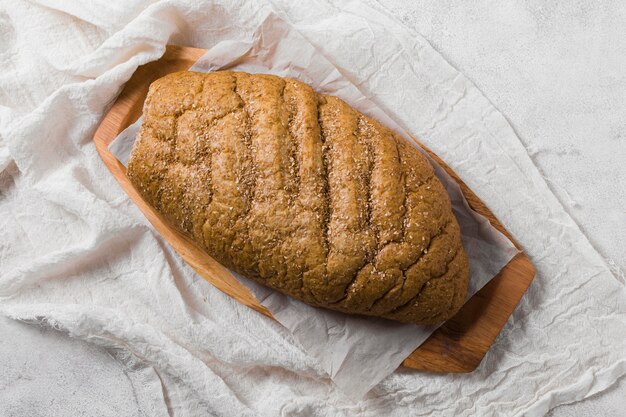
x=457, y=346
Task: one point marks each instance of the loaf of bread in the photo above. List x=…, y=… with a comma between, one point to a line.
x=302, y=193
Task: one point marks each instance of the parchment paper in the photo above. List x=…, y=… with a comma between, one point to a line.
x=356, y=352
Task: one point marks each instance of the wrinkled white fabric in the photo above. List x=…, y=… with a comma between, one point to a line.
x=76, y=254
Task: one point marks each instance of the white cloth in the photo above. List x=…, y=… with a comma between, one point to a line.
x=81, y=257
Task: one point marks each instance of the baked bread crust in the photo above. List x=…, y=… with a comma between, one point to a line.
x=301, y=193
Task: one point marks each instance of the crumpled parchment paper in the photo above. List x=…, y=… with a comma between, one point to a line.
x=357, y=352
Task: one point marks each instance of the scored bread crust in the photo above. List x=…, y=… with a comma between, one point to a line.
x=302, y=193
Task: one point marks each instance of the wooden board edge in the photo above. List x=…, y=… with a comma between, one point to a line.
x=457, y=339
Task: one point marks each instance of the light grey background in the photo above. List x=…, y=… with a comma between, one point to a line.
x=555, y=69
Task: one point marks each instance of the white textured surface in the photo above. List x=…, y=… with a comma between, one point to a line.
x=227, y=360
x=45, y=373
